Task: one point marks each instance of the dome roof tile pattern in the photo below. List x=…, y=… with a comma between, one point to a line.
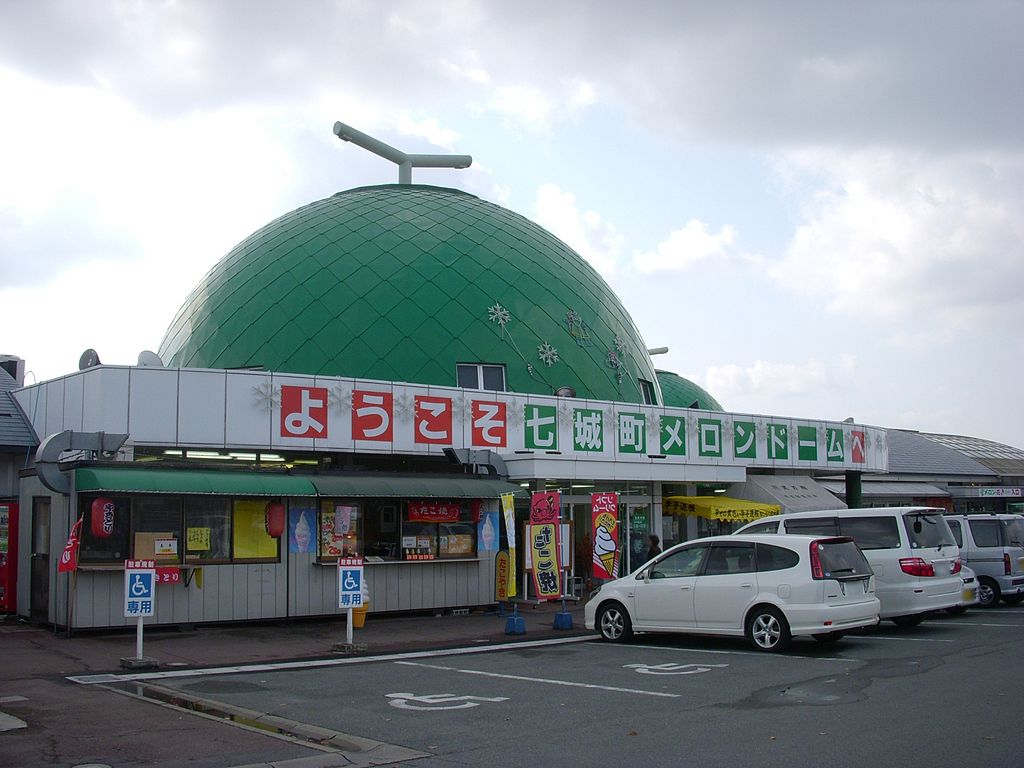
x=683, y=393
x=399, y=283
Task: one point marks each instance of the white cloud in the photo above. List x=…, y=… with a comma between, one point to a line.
x=584, y=231
x=429, y=128
x=686, y=248
x=538, y=107
x=768, y=382
x=923, y=245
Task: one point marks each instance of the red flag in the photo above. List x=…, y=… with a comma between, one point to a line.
x=69, y=557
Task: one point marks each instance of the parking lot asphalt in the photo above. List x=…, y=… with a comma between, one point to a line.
x=71, y=724
x=422, y=693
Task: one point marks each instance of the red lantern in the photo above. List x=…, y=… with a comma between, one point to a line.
x=101, y=521
x=274, y=519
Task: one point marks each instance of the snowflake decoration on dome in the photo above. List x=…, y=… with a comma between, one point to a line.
x=620, y=344
x=547, y=354
x=498, y=314
x=613, y=360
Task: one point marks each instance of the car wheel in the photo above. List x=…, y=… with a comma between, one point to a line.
x=956, y=610
x=767, y=629
x=614, y=624
x=988, y=593
x=829, y=637
x=1013, y=599
x=907, y=621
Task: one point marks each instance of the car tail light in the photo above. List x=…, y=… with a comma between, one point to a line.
x=916, y=566
x=817, y=572
x=1007, y=568
x=957, y=566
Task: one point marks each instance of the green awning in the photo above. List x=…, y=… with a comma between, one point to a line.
x=130, y=480
x=228, y=483
x=413, y=487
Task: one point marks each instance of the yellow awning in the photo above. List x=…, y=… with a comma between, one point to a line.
x=718, y=508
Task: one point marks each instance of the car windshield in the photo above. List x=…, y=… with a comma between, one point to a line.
x=927, y=530
x=841, y=559
x=1014, y=530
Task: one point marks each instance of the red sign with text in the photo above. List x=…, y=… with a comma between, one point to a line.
x=858, y=446
x=489, y=424
x=432, y=512
x=372, y=415
x=433, y=424
x=303, y=411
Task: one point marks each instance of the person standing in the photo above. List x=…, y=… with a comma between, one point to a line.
x=653, y=547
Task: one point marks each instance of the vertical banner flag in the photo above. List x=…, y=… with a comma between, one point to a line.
x=508, y=508
x=605, y=517
x=544, y=516
x=69, y=557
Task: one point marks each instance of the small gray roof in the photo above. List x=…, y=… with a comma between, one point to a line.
x=916, y=453
x=1002, y=459
x=15, y=431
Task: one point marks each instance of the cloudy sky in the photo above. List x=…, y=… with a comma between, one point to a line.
x=818, y=207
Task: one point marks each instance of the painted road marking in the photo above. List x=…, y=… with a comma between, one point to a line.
x=912, y=639
x=672, y=669
x=756, y=654
x=430, y=702
x=286, y=665
x=568, y=683
x=970, y=624
x=11, y=723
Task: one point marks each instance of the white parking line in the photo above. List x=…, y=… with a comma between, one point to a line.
x=911, y=639
x=970, y=624
x=549, y=681
x=755, y=654
x=285, y=665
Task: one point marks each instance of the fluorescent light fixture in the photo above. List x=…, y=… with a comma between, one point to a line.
x=172, y=453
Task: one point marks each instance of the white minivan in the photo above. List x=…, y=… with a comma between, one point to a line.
x=911, y=550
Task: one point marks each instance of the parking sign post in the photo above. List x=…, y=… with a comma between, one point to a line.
x=139, y=602
x=350, y=589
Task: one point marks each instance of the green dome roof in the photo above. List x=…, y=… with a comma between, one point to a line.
x=401, y=283
x=683, y=393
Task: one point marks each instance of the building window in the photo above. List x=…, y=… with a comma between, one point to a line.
x=172, y=530
x=207, y=530
x=480, y=376
x=339, y=530
x=647, y=391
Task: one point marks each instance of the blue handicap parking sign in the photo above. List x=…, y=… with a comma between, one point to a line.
x=140, y=586
x=351, y=580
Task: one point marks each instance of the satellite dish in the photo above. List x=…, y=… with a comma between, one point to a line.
x=149, y=359
x=88, y=359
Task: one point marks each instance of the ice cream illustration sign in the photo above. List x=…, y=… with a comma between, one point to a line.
x=605, y=519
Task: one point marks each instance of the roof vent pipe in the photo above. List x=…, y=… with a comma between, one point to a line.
x=404, y=161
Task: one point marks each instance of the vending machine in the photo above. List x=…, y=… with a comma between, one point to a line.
x=8, y=556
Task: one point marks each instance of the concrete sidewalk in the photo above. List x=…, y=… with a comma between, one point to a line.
x=70, y=724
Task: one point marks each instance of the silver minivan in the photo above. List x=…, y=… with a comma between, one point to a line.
x=910, y=549
x=993, y=546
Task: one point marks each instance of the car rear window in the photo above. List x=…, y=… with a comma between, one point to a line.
x=812, y=526
x=841, y=559
x=772, y=558
x=927, y=530
x=871, y=532
x=772, y=527
x=958, y=534
x=1014, y=530
x=985, y=532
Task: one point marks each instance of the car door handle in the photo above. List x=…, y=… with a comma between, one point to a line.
x=685, y=586
x=746, y=586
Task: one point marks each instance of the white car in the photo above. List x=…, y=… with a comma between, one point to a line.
x=911, y=550
x=766, y=588
x=970, y=594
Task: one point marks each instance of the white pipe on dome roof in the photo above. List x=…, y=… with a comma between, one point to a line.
x=404, y=161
